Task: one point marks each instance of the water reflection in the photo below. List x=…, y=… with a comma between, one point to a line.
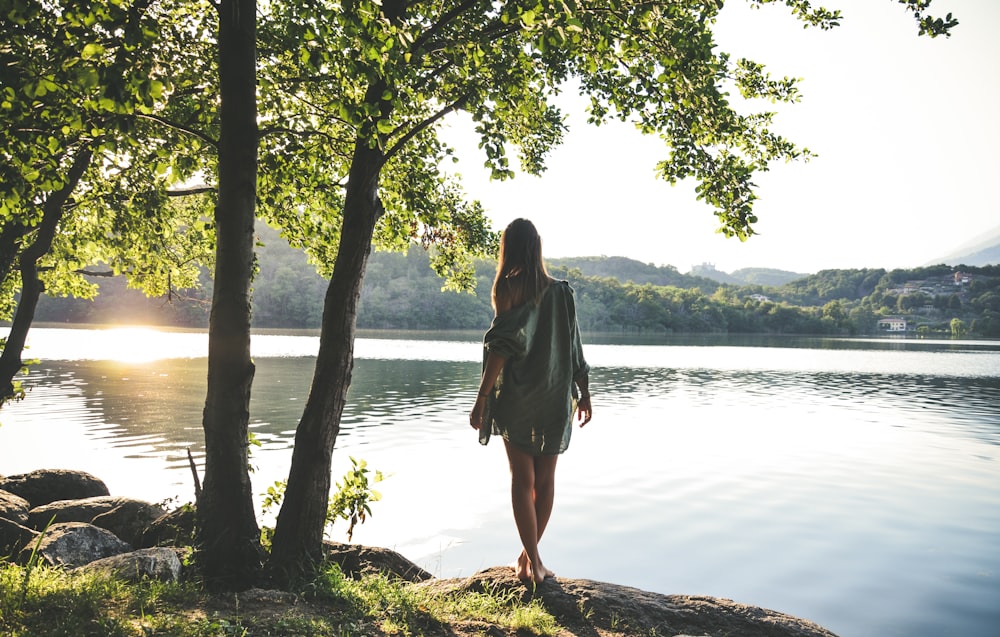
x=156, y=407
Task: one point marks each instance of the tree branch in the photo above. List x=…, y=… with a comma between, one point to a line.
x=197, y=190
x=273, y=130
x=179, y=127
x=451, y=108
x=102, y=273
x=445, y=20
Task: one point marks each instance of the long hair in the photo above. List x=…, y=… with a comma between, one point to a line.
x=521, y=274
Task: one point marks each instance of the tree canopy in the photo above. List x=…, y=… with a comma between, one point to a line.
x=86, y=171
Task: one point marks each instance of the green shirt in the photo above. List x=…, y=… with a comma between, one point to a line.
x=533, y=402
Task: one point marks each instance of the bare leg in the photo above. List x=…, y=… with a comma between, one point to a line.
x=532, y=492
x=545, y=479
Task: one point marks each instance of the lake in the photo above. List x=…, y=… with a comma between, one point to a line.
x=853, y=482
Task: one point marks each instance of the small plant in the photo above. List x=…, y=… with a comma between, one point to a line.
x=273, y=495
x=33, y=559
x=252, y=441
x=615, y=620
x=350, y=500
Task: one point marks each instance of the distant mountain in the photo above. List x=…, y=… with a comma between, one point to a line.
x=766, y=276
x=981, y=251
x=703, y=276
x=747, y=276
x=625, y=269
x=708, y=271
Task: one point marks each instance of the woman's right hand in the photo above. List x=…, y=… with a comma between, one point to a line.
x=584, y=411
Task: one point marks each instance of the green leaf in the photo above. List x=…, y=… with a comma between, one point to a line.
x=156, y=89
x=91, y=50
x=86, y=76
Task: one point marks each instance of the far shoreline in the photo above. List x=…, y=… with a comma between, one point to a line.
x=596, y=337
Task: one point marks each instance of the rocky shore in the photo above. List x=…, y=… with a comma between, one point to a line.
x=83, y=526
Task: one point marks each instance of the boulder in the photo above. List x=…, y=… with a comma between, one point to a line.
x=14, y=507
x=125, y=517
x=175, y=528
x=14, y=537
x=79, y=510
x=75, y=544
x=48, y=485
x=585, y=607
x=356, y=561
x=155, y=563
x=129, y=520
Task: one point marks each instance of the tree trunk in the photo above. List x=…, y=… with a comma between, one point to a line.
x=230, y=555
x=10, y=244
x=298, y=536
x=31, y=286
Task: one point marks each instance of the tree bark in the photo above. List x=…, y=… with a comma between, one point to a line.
x=31, y=286
x=10, y=244
x=298, y=536
x=229, y=554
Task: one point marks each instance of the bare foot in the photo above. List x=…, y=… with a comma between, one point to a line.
x=526, y=571
x=522, y=568
x=540, y=573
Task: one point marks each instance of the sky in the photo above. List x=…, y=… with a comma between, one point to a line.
x=905, y=129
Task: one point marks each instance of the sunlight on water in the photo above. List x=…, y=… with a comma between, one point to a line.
x=124, y=344
x=853, y=483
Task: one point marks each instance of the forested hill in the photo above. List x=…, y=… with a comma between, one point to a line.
x=747, y=276
x=628, y=270
x=614, y=294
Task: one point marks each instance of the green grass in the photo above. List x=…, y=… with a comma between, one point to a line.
x=57, y=603
x=403, y=609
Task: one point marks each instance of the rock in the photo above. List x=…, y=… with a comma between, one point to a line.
x=14, y=507
x=259, y=596
x=14, y=537
x=356, y=561
x=76, y=543
x=175, y=528
x=156, y=563
x=76, y=510
x=581, y=606
x=48, y=485
x=129, y=519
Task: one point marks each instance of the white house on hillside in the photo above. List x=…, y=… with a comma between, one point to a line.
x=892, y=324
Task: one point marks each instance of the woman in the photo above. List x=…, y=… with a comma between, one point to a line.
x=533, y=366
